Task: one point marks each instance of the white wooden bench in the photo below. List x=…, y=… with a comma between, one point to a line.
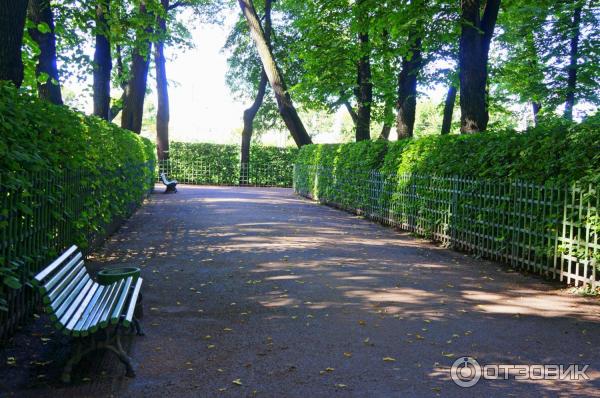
x=171, y=184
x=94, y=315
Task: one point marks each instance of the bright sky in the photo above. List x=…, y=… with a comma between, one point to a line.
x=202, y=107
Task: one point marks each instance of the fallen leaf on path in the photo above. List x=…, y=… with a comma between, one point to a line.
x=389, y=359
x=237, y=382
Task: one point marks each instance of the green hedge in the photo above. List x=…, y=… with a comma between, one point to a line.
x=349, y=162
x=203, y=163
x=64, y=178
x=526, y=198
x=558, y=154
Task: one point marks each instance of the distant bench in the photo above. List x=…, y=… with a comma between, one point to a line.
x=171, y=184
x=82, y=308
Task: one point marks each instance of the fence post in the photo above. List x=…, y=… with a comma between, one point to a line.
x=453, y=219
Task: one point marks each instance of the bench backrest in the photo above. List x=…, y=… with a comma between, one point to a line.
x=163, y=177
x=76, y=303
x=63, y=282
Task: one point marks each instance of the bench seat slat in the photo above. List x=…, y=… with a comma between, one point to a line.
x=105, y=318
x=74, y=298
x=81, y=308
x=91, y=307
x=59, y=277
x=54, y=265
x=74, y=306
x=92, y=324
x=52, y=296
x=132, y=302
x=63, y=301
x=77, y=304
x=116, y=314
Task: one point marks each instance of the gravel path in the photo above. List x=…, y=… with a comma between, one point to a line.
x=256, y=292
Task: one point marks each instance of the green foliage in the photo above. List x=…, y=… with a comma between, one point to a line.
x=44, y=150
x=204, y=163
x=529, y=198
x=558, y=153
x=349, y=162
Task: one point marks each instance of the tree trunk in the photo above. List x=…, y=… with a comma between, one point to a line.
x=407, y=88
x=118, y=105
x=476, y=35
x=284, y=101
x=351, y=112
x=133, y=106
x=449, y=109
x=102, y=62
x=364, y=91
x=385, y=131
x=535, y=108
x=40, y=12
x=572, y=68
x=250, y=113
x=162, y=89
x=12, y=23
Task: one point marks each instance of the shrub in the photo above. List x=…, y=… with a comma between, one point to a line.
x=349, y=162
x=557, y=154
x=64, y=178
x=204, y=163
x=530, y=198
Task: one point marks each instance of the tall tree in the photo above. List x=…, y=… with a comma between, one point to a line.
x=102, y=61
x=12, y=24
x=407, y=87
x=40, y=13
x=135, y=93
x=250, y=113
x=284, y=101
x=364, y=89
x=162, y=89
x=573, y=59
x=476, y=36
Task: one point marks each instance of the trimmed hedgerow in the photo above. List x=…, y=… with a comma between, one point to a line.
x=64, y=178
x=557, y=154
x=350, y=163
x=205, y=163
x=527, y=198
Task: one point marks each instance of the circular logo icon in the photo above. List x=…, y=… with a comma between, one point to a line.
x=465, y=372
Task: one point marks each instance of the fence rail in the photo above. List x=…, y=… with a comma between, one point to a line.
x=553, y=231
x=50, y=210
x=198, y=172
